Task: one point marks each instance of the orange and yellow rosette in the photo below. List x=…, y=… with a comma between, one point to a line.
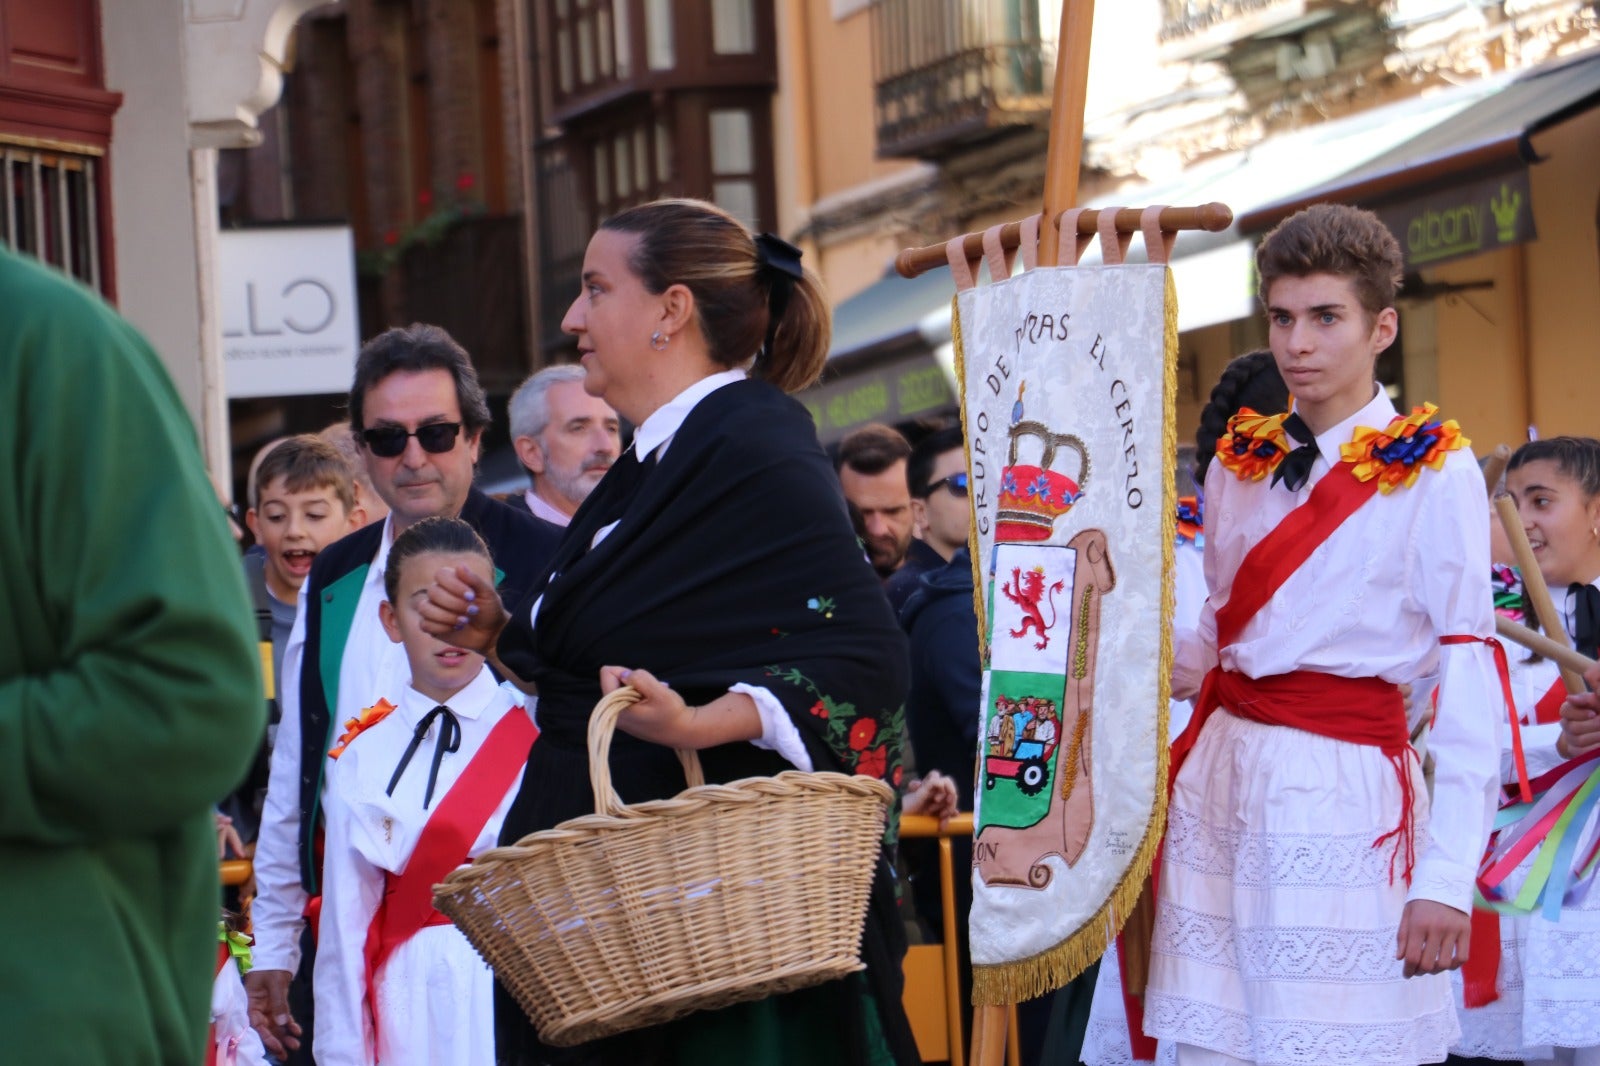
x=1253, y=445
x=1397, y=454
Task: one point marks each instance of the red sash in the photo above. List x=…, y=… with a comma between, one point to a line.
x=1548, y=709
x=407, y=904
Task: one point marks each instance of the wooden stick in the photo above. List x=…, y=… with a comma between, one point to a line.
x=1212, y=217
x=1544, y=607
x=1534, y=641
x=1064, y=151
x=988, y=1035
x=1494, y=467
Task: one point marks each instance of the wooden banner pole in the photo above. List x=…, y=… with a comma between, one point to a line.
x=1064, y=154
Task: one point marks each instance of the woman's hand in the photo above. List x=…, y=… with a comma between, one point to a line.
x=934, y=795
x=662, y=717
x=227, y=837
x=463, y=609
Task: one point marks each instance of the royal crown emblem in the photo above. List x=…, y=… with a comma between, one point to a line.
x=1034, y=495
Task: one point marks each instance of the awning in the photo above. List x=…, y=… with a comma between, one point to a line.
x=885, y=362
x=1461, y=187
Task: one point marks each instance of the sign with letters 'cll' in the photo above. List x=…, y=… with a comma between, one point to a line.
x=289, y=323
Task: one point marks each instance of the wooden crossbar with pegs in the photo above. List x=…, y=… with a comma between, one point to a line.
x=1213, y=218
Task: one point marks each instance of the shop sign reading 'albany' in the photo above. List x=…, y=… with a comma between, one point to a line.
x=1463, y=220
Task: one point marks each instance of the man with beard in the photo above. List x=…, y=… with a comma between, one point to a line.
x=566, y=438
x=872, y=473
x=419, y=412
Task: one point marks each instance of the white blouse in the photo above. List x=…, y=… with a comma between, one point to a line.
x=1373, y=600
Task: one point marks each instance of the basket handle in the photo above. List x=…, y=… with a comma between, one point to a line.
x=602, y=723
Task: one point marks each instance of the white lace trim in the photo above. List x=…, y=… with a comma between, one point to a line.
x=1276, y=860
x=1297, y=1042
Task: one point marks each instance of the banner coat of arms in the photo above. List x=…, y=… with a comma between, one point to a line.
x=1068, y=377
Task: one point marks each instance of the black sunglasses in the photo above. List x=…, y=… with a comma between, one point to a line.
x=386, y=442
x=956, y=483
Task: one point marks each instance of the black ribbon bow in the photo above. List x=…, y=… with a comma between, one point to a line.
x=1586, y=618
x=1294, y=469
x=449, y=741
x=779, y=264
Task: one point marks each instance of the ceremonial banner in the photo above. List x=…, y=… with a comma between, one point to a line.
x=1068, y=379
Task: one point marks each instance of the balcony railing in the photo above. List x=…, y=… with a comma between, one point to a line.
x=951, y=71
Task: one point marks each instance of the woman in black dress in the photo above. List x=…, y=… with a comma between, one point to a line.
x=715, y=570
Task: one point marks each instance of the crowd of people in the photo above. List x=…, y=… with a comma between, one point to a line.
x=430, y=657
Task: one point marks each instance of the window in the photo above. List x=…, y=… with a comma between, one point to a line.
x=658, y=36
x=51, y=210
x=733, y=27
x=733, y=177
x=630, y=165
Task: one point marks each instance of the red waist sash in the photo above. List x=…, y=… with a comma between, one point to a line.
x=1357, y=710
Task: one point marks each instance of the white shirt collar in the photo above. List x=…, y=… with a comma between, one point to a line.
x=1377, y=414
x=658, y=430
x=470, y=702
x=542, y=509
x=380, y=560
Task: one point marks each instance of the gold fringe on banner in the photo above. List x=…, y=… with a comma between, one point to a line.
x=979, y=603
x=1012, y=982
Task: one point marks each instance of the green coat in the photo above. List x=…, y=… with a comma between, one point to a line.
x=130, y=689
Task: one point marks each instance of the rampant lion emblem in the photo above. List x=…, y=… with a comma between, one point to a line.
x=1027, y=591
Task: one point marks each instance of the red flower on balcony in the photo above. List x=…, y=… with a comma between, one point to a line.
x=465, y=181
x=425, y=198
x=391, y=237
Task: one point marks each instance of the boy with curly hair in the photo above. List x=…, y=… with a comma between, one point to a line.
x=1309, y=903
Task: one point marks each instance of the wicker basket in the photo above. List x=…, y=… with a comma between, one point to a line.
x=640, y=914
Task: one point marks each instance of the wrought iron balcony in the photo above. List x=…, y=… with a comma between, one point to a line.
x=950, y=72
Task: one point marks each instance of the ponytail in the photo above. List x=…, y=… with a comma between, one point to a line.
x=734, y=278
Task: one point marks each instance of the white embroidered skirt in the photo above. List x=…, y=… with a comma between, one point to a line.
x=1276, y=919
x=1105, y=1040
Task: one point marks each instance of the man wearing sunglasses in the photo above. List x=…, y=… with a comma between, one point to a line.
x=937, y=475
x=419, y=413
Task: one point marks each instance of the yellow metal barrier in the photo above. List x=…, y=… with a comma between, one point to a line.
x=933, y=971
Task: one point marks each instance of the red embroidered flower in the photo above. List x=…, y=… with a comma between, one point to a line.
x=873, y=763
x=861, y=734
x=819, y=709
x=898, y=775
